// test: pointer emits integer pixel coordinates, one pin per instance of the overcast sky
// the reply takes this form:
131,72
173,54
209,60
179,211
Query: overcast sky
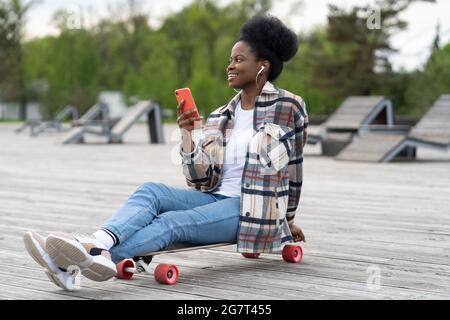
414,43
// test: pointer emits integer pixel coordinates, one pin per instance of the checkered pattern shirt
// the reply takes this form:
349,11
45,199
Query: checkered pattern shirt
273,172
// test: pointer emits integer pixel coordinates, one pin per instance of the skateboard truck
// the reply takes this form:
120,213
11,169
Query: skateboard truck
163,273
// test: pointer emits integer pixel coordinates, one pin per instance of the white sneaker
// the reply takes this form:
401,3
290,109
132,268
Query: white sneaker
67,250
35,245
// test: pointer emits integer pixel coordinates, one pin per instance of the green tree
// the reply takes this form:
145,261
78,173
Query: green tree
192,46
427,85
299,74
68,63
12,18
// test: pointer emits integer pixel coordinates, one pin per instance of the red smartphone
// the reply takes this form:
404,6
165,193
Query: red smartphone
189,103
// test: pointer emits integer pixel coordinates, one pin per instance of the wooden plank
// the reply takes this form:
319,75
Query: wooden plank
434,126
370,147
290,285
352,112
113,289
133,114
354,215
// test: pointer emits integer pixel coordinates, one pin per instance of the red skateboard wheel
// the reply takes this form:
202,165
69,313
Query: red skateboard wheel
166,274
251,255
121,266
292,253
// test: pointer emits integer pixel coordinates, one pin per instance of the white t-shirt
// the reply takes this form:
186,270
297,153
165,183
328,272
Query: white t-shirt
235,153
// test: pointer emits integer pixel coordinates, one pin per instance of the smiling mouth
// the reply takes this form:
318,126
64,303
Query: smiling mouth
231,76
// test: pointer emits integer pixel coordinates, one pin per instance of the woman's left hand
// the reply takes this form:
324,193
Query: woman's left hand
297,233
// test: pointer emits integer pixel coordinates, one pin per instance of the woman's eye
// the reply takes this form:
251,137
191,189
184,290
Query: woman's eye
237,60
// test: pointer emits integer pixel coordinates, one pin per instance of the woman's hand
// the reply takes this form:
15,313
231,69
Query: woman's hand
185,120
297,233
187,123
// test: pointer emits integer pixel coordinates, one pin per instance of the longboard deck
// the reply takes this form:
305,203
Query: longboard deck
169,273
180,247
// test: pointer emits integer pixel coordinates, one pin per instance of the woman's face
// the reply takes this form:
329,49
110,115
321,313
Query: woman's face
243,66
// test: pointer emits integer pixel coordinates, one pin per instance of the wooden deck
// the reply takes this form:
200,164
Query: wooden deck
357,217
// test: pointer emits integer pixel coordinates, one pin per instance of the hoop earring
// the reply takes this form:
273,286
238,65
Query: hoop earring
257,80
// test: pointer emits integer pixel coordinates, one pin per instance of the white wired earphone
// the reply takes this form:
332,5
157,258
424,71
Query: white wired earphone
260,70
257,75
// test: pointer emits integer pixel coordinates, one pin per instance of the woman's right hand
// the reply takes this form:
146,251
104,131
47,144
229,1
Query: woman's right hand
186,121
297,233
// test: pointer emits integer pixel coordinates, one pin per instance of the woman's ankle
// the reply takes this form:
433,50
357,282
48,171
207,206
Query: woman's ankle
95,251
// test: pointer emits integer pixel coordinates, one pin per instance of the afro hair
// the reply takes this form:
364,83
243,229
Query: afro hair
270,39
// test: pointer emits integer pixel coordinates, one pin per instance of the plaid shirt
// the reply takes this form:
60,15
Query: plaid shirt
273,174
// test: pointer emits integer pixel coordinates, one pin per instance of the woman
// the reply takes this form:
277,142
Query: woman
246,174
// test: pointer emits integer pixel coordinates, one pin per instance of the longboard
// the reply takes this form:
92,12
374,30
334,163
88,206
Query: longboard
180,247
169,273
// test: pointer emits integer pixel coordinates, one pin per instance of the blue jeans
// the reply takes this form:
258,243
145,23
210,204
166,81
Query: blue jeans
157,215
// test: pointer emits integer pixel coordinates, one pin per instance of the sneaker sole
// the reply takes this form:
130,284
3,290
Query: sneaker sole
65,253
55,280
34,252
